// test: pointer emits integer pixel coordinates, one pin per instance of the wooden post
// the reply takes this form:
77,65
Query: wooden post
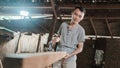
54,18
109,29
91,21
1,66
17,48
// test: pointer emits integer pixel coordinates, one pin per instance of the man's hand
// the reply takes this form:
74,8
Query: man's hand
66,57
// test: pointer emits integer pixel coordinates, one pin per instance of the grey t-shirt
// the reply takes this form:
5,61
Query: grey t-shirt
70,38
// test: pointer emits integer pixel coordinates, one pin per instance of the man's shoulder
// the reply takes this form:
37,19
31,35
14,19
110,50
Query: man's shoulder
64,23
81,28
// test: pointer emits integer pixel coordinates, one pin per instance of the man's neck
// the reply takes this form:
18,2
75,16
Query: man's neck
72,24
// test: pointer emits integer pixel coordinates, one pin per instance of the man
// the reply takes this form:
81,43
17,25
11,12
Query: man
72,37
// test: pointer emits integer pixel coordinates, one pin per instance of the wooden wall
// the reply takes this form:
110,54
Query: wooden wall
111,54
86,59
24,42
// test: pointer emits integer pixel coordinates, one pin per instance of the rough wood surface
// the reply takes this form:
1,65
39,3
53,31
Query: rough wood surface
1,64
37,60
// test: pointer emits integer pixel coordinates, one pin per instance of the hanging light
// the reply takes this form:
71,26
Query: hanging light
24,13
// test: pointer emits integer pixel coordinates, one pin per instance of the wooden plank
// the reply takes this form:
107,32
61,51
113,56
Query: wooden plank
42,61
91,21
33,60
109,29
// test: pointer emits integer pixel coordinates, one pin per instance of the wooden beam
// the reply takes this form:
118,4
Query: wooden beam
91,6
93,26
69,17
68,6
53,8
54,18
109,29
103,17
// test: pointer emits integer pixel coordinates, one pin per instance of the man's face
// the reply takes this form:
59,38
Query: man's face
77,16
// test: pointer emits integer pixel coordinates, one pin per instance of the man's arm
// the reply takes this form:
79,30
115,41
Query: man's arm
78,50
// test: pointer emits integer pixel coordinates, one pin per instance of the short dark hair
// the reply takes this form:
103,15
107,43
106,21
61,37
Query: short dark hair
82,9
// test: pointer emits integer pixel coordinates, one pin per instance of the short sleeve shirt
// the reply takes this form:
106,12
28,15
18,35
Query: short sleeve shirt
70,38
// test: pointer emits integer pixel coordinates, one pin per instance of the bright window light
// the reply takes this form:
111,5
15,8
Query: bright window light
24,13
